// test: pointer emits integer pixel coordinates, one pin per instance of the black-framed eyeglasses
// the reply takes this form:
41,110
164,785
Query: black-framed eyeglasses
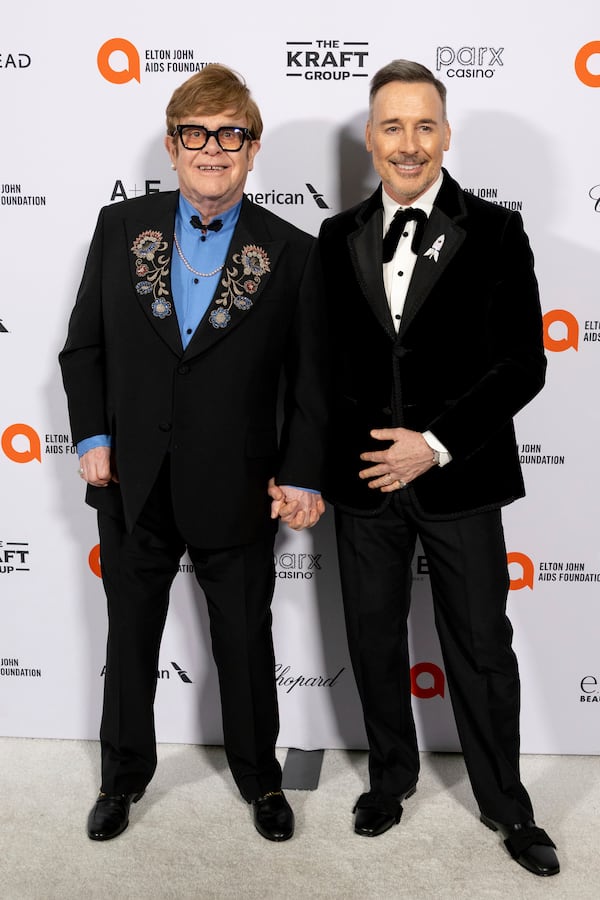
229,137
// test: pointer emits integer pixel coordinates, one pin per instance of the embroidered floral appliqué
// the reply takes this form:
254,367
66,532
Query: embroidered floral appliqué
243,278
152,268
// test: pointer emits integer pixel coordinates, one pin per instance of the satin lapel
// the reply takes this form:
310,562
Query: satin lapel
150,245
431,262
365,245
251,259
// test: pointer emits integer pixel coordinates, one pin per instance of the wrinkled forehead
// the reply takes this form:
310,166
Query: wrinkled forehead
213,120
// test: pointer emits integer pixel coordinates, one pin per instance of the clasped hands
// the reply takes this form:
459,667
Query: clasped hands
408,457
297,508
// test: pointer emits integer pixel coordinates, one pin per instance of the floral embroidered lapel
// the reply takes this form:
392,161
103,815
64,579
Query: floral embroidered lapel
250,261
149,247
239,283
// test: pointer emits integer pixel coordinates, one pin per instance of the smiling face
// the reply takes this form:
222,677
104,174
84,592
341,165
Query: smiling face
211,179
407,134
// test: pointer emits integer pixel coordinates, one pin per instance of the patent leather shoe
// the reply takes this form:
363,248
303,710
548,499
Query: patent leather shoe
529,845
273,816
377,812
109,816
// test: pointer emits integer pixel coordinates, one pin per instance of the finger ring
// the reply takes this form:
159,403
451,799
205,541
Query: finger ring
402,484
80,471
389,478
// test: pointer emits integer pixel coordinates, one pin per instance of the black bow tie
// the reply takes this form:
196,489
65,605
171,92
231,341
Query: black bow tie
214,226
390,241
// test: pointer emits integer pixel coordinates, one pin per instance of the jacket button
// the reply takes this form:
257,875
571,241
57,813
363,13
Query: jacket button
399,352
164,426
183,370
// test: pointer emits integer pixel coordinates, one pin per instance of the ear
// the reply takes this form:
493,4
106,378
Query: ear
253,149
172,149
447,137
368,141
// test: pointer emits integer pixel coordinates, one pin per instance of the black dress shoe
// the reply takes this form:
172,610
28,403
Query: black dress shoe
376,812
273,816
110,815
529,845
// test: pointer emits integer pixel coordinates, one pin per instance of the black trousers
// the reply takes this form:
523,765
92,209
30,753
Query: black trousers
138,570
469,583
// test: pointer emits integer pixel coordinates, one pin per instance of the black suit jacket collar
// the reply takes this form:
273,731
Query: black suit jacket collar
365,245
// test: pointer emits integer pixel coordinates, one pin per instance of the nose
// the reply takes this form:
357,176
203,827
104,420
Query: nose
408,141
212,145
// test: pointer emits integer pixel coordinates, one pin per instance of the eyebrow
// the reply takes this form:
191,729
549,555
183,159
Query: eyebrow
419,122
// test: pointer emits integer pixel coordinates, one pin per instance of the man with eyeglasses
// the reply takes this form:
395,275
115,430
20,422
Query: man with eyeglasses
192,305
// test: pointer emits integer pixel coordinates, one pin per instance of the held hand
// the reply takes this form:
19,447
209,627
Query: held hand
97,467
297,508
408,457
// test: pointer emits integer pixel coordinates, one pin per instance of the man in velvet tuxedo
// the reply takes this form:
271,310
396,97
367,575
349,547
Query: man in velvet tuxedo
192,305
436,343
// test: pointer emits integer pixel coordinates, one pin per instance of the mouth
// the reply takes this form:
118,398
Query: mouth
211,168
407,168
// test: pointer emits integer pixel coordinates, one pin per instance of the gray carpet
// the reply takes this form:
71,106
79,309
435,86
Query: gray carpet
192,837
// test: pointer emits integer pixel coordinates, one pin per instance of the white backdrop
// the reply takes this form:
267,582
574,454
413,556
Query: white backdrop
83,99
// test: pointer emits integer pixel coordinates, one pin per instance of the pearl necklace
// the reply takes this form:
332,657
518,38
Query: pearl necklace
187,265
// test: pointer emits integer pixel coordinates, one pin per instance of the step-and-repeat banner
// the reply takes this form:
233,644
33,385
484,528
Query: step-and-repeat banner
83,98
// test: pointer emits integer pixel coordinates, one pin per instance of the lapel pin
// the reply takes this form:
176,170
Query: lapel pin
434,251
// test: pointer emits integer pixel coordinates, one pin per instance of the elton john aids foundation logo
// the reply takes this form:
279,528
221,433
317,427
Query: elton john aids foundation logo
588,71
119,61
94,561
561,331
21,443
427,681
110,61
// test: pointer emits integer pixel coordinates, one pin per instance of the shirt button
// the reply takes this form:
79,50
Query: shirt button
400,273
188,331
195,281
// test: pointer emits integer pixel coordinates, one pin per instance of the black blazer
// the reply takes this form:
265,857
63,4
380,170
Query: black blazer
214,405
468,356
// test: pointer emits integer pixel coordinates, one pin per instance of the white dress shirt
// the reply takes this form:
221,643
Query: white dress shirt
398,272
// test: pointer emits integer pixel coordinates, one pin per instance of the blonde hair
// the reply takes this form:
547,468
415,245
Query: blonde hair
210,91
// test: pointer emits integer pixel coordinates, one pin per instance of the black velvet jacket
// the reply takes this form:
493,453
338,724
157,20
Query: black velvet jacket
469,354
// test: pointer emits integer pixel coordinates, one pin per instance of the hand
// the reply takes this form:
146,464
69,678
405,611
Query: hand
297,508
408,457
97,467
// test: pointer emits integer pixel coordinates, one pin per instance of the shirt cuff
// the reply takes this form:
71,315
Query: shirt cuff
433,442
97,440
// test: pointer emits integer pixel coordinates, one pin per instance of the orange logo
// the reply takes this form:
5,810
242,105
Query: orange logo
581,64
439,682
119,76
94,561
527,571
32,451
558,345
